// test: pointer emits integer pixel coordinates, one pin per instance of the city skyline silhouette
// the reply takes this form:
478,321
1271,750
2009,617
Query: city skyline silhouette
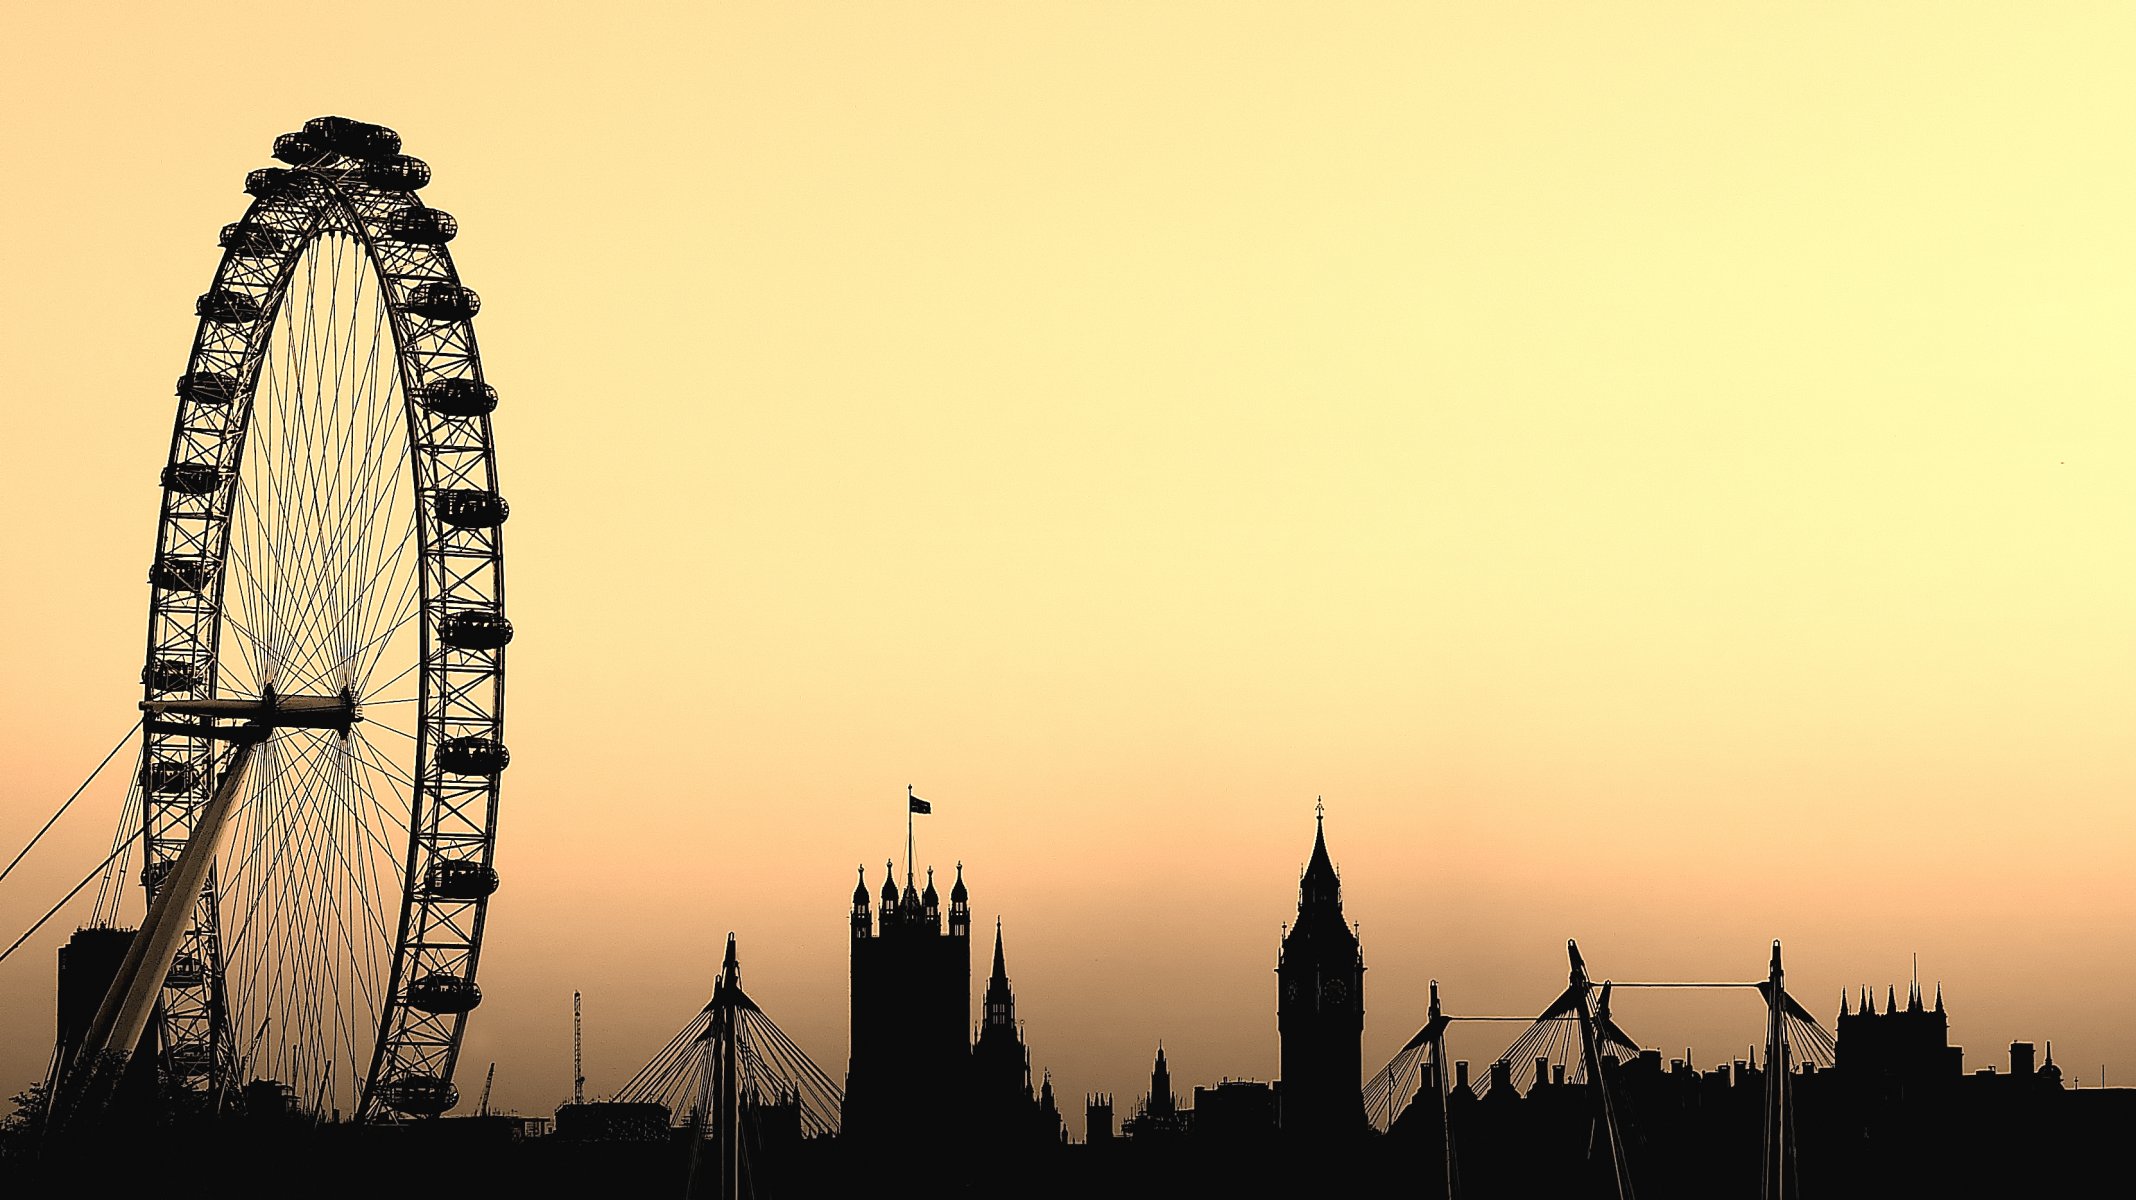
1664,506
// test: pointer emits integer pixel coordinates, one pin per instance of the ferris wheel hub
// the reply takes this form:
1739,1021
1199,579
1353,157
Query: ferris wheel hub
264,715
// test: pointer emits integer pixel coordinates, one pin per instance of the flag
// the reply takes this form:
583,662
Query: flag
919,805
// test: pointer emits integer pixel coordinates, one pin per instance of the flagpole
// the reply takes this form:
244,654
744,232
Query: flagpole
908,835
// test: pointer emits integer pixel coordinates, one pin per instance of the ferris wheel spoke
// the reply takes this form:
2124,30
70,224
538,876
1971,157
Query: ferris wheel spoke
376,641
403,796
379,763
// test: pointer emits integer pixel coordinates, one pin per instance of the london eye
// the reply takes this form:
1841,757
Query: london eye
324,680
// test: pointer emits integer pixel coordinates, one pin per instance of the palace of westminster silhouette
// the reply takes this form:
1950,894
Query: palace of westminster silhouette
1894,1107
935,1102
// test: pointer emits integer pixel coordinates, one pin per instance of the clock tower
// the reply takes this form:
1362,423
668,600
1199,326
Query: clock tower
1320,1008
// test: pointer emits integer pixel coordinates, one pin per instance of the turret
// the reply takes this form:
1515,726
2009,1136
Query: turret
908,905
931,903
1000,1001
889,913
1161,1103
960,907
860,905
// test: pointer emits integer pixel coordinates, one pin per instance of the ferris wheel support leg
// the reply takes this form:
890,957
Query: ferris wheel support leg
127,1005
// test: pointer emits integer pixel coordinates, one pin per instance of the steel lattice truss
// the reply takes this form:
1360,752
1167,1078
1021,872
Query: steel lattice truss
330,523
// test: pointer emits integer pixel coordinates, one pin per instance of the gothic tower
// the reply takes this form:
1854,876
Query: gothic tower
1001,1064
1320,1008
911,1014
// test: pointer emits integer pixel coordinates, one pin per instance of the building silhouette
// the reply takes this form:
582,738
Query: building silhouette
1898,1052
911,1012
1002,1111
1320,1008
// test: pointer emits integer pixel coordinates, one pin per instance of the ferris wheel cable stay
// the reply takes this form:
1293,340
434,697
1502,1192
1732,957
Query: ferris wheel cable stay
72,892
54,818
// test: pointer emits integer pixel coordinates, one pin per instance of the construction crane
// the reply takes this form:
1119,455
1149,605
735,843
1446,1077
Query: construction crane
578,1046
482,1109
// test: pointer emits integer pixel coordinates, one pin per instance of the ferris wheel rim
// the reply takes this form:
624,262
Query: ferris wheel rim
357,191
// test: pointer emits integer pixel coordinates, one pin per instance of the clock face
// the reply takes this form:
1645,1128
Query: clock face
1290,989
1336,990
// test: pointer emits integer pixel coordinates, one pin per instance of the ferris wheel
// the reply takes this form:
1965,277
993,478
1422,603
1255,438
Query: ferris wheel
324,682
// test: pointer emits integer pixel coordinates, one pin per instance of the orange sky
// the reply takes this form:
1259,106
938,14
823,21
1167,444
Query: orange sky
1660,471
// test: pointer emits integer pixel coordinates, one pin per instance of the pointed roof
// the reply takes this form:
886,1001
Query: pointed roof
1939,995
728,993
957,894
1891,997
889,885
1001,963
860,890
1321,867
1842,1002
930,896
1320,893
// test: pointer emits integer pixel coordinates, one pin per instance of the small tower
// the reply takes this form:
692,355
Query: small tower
1098,1118
860,907
1049,1112
960,907
1000,1010
1001,1063
1162,1104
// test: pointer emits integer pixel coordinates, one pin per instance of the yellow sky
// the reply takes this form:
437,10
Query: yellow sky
1661,471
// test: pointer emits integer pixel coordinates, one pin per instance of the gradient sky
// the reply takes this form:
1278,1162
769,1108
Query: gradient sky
1661,471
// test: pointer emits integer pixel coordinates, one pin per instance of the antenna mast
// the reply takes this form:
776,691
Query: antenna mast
578,1045
482,1109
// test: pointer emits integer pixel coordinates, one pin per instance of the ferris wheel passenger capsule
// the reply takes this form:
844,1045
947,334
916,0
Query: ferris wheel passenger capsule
186,971
301,150
419,1095
251,240
345,135
457,398
165,776
458,879
226,306
192,479
182,572
472,508
476,629
473,755
171,675
440,992
268,180
422,227
441,301
209,387
399,173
